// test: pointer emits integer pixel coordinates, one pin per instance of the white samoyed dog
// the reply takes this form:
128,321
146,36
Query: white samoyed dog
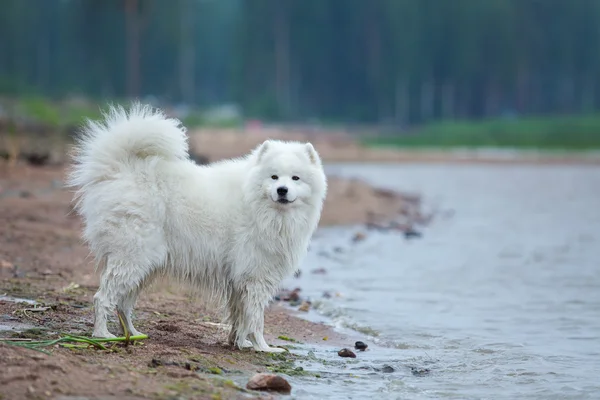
233,229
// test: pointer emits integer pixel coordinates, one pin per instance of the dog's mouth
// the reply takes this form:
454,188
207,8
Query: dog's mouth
282,200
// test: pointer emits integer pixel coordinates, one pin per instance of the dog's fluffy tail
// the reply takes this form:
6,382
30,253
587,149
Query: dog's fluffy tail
107,147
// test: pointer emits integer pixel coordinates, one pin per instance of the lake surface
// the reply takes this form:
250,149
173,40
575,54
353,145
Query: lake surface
499,299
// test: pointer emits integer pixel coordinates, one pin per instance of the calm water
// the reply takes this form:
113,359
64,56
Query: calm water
499,300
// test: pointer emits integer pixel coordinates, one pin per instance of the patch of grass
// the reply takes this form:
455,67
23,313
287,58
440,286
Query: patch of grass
32,333
73,342
41,110
549,133
287,339
285,363
215,370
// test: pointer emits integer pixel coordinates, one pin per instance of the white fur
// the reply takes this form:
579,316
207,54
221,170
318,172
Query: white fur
149,210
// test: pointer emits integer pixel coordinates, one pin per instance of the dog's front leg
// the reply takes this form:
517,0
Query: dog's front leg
250,323
235,316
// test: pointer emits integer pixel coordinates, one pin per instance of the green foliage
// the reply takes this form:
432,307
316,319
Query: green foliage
41,111
558,133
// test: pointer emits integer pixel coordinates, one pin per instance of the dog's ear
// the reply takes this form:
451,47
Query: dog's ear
262,150
312,154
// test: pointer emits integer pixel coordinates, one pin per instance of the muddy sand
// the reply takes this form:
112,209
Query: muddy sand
42,259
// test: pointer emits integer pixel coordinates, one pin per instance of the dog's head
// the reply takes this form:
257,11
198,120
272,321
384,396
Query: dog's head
288,174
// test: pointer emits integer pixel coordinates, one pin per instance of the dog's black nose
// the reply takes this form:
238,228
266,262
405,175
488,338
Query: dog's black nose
282,190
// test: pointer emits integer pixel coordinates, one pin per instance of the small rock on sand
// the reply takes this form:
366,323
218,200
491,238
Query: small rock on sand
269,382
346,353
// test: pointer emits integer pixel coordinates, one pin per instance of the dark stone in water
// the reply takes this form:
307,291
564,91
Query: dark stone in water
387,369
360,346
412,234
358,237
346,353
420,371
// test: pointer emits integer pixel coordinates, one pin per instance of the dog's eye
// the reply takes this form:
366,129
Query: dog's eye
295,178
274,177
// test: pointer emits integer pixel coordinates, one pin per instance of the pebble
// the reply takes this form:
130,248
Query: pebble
295,295
305,306
419,371
387,369
346,353
358,237
360,346
411,234
269,382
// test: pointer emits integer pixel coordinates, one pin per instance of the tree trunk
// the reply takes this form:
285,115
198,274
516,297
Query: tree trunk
448,100
132,27
402,102
588,93
187,84
427,98
492,99
566,95
373,45
522,88
282,57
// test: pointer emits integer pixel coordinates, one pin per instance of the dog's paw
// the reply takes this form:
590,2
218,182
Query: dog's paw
247,344
103,335
271,349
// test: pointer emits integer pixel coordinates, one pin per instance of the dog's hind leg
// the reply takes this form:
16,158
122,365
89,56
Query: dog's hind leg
126,304
125,309
119,288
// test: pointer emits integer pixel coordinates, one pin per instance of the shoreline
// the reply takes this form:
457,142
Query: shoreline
333,147
339,147
43,260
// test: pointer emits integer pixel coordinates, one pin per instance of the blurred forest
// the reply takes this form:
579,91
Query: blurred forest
375,61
